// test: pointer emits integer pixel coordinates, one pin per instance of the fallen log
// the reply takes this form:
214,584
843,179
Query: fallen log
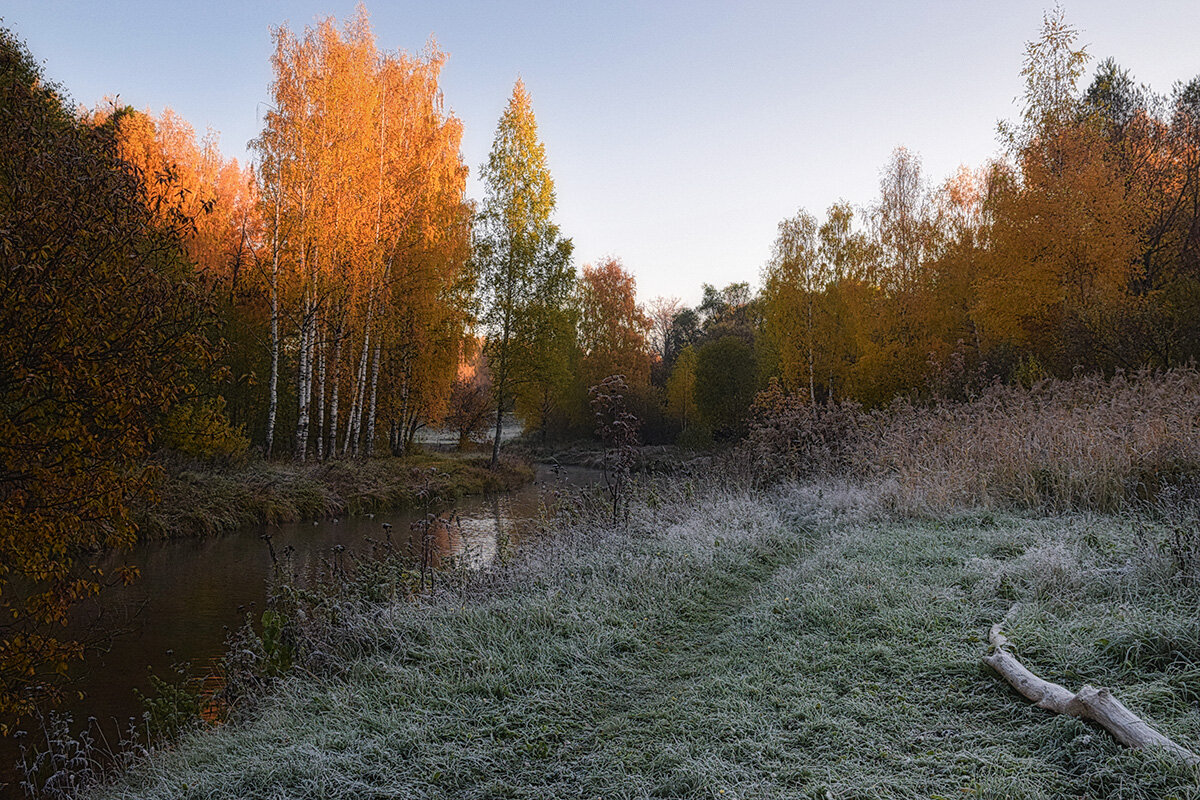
1090,703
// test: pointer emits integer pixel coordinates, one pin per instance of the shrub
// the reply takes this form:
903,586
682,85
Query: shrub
618,428
695,437
103,328
200,429
726,377
792,436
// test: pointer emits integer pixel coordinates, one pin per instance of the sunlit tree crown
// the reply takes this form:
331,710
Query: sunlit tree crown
520,190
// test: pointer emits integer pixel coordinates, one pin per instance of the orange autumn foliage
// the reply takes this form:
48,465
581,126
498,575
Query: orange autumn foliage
190,179
613,329
363,193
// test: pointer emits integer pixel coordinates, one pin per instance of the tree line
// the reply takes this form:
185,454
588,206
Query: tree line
1077,248
342,292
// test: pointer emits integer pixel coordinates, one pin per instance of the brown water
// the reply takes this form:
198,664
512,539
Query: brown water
193,592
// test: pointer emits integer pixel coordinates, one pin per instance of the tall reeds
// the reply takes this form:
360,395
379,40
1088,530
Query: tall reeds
1088,443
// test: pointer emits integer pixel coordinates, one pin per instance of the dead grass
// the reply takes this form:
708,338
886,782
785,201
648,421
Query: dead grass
1084,444
1088,443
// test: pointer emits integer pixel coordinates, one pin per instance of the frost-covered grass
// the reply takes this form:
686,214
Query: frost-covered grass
800,643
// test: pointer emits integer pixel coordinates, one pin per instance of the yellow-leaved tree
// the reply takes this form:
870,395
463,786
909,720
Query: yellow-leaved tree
1064,239
527,278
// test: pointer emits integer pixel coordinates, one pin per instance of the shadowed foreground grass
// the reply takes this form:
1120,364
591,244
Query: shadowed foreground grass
801,644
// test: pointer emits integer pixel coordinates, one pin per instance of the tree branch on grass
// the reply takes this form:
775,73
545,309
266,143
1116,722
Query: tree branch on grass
1090,703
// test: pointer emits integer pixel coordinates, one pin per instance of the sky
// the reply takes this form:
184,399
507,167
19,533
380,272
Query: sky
678,134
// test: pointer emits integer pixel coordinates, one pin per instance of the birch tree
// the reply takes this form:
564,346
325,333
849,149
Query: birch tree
791,287
370,245
525,264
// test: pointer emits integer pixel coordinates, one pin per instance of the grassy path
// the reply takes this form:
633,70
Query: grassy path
792,646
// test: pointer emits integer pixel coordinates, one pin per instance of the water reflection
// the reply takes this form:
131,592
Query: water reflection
193,593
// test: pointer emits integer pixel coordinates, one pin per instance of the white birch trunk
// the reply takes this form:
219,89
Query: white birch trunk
319,439
812,384
405,389
370,446
354,399
273,391
303,382
331,444
353,434
304,366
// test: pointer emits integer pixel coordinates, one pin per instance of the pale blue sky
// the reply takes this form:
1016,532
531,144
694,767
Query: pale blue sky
678,133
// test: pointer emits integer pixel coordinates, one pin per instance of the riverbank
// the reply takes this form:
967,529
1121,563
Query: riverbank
803,642
199,500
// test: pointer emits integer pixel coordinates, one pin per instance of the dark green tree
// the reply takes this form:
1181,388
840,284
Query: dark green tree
725,384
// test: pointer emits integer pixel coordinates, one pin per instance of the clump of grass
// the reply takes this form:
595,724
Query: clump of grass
801,642
59,764
1168,531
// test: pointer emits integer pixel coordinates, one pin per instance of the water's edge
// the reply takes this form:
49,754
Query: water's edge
193,592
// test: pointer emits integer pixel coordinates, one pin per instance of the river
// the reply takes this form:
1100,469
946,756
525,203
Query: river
193,592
